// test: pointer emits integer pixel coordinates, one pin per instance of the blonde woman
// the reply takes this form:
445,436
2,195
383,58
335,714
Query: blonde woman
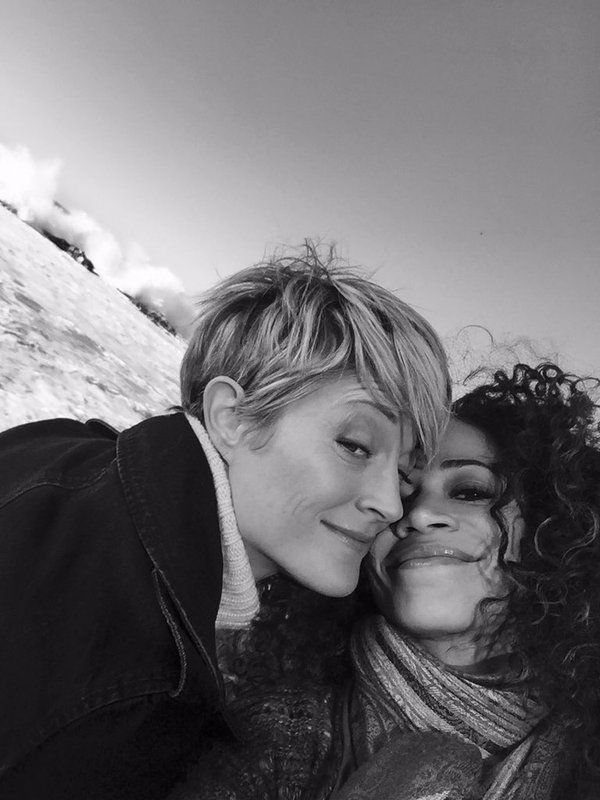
305,389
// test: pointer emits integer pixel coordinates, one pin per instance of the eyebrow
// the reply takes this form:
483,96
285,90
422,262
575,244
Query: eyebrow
385,410
466,462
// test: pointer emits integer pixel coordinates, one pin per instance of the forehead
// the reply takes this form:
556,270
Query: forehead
330,393
348,391
462,441
341,398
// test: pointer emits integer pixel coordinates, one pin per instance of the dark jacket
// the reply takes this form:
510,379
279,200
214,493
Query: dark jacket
110,581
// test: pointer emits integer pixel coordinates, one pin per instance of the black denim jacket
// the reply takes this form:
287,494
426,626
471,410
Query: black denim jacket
110,581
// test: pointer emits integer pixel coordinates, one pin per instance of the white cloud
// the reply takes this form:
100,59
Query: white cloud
30,186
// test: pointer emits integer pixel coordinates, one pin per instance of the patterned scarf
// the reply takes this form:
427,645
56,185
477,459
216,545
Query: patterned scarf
401,688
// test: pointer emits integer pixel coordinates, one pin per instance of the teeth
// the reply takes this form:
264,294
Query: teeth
438,552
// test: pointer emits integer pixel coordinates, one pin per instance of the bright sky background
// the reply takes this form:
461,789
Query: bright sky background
451,145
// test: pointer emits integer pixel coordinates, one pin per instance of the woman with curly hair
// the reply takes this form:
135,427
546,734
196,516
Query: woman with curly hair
477,675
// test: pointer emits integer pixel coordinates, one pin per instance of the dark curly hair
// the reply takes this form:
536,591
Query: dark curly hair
544,425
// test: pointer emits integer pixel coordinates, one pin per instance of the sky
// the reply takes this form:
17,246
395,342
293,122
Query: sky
451,147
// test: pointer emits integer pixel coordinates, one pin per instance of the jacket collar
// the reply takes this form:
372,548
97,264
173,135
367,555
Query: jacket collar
169,490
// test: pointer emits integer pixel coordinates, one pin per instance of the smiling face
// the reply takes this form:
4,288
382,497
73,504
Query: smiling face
431,579
312,493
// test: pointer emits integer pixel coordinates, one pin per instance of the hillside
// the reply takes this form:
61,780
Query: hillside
70,344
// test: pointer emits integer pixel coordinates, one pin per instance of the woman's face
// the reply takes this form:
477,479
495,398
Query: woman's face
430,580
311,499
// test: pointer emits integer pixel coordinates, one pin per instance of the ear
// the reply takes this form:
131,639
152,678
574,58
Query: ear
221,398
515,526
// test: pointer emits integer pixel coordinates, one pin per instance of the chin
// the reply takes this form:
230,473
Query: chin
333,583
334,588
421,621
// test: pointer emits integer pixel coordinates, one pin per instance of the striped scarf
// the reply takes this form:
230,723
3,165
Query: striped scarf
401,688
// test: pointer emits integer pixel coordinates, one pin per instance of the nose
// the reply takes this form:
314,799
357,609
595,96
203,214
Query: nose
381,497
425,513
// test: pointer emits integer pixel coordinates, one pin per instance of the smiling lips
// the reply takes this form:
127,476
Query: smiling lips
357,540
430,555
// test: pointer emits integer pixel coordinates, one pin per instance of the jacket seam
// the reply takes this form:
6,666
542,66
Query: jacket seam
22,490
132,501
175,632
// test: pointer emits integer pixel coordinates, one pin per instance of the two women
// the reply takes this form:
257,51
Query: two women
477,673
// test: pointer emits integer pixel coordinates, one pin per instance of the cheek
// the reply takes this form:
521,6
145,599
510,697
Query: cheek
380,582
311,486
492,577
380,549
297,491
295,488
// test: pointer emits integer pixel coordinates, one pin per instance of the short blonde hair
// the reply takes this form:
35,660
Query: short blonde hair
283,327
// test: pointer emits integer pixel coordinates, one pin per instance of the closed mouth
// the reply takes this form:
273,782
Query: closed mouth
362,539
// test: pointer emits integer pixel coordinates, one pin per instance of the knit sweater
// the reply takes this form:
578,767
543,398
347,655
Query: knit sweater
239,598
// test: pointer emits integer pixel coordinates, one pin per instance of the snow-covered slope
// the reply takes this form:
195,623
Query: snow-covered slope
70,344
